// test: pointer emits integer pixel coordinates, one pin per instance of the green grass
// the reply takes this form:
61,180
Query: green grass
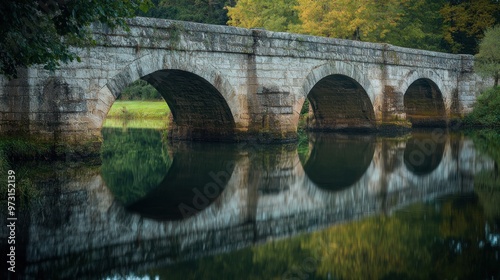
139,110
136,123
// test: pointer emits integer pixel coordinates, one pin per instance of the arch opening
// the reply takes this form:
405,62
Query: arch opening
340,103
199,110
424,105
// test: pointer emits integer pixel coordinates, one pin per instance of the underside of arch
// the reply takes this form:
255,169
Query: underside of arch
340,103
199,110
424,105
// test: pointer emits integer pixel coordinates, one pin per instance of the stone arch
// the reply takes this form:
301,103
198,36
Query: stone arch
435,87
423,99
415,75
338,68
341,98
162,71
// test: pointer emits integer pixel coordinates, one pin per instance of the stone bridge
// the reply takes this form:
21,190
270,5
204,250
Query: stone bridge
227,83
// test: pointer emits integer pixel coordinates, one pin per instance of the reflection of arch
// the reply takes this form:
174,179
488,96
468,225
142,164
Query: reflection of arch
340,102
338,161
423,153
202,101
196,178
133,161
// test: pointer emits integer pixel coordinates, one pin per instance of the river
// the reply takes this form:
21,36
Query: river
420,205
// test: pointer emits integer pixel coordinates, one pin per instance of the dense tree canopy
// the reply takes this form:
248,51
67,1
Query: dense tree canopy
465,22
441,25
420,26
40,32
278,15
488,58
204,11
368,20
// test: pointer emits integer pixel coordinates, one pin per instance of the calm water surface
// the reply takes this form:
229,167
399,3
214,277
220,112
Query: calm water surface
423,205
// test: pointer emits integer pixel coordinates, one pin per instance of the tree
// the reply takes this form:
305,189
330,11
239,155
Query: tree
488,58
140,90
41,32
368,20
276,15
204,11
465,22
420,26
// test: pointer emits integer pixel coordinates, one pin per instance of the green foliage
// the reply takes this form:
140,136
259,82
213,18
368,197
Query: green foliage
370,20
140,90
486,112
420,26
134,162
465,22
442,25
204,11
305,107
488,58
41,32
272,15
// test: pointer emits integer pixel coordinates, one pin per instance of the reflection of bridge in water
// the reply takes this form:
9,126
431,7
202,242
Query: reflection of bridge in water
267,195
